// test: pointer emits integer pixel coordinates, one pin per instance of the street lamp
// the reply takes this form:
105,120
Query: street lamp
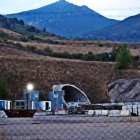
29,88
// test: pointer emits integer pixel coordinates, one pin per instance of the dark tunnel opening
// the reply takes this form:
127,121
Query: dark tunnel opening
73,95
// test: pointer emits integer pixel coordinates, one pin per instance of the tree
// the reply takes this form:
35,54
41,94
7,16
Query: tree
124,58
114,52
3,89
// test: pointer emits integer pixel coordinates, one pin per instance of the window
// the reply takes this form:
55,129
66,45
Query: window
22,103
17,103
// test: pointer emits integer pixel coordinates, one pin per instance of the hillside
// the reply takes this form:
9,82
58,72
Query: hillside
127,30
19,68
20,65
65,19
20,27
61,45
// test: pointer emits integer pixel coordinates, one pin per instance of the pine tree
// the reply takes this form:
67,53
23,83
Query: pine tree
3,89
124,57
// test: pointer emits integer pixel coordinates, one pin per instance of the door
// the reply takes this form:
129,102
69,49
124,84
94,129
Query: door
47,106
10,105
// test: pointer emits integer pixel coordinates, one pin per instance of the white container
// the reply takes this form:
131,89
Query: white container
124,107
134,106
98,112
105,112
62,112
114,113
129,107
44,105
90,112
125,113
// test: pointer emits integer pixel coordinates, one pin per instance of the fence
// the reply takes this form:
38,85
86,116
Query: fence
70,127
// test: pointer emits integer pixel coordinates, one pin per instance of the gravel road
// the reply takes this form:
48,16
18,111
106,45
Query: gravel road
70,127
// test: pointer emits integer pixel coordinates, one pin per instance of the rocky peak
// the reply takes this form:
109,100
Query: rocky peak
62,1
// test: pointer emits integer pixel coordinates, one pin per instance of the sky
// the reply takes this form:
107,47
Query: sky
115,9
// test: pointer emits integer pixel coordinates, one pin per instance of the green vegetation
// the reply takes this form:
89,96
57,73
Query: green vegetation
3,89
47,49
49,41
124,58
119,53
32,48
32,29
3,35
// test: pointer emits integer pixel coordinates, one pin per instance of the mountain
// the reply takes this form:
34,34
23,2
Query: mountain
65,19
127,30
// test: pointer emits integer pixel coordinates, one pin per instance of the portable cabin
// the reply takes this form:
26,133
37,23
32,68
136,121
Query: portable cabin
5,104
22,104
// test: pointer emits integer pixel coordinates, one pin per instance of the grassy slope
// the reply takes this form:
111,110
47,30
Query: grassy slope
74,46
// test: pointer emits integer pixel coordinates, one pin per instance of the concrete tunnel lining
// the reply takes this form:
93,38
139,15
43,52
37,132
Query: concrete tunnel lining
72,94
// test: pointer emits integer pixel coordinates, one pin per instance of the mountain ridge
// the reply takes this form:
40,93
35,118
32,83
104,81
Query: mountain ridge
127,30
65,19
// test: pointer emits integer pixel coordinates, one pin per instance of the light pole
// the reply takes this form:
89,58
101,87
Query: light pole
29,88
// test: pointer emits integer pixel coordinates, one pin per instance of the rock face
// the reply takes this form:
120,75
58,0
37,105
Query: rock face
124,90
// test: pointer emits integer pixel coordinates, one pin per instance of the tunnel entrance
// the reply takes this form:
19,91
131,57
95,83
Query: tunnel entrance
73,95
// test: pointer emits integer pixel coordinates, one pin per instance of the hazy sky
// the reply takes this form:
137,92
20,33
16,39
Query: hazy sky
116,9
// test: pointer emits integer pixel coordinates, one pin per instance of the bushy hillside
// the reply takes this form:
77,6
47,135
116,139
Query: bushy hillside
44,72
20,67
19,26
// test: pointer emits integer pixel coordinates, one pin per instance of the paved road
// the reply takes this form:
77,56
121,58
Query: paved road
72,127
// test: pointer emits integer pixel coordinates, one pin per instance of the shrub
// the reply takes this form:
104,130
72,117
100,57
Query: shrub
5,41
24,39
3,35
101,45
135,64
31,37
32,48
19,45
47,49
3,89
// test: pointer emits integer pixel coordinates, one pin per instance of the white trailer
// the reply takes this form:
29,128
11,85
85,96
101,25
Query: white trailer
44,105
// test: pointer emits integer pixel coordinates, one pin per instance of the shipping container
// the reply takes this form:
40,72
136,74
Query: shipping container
56,98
